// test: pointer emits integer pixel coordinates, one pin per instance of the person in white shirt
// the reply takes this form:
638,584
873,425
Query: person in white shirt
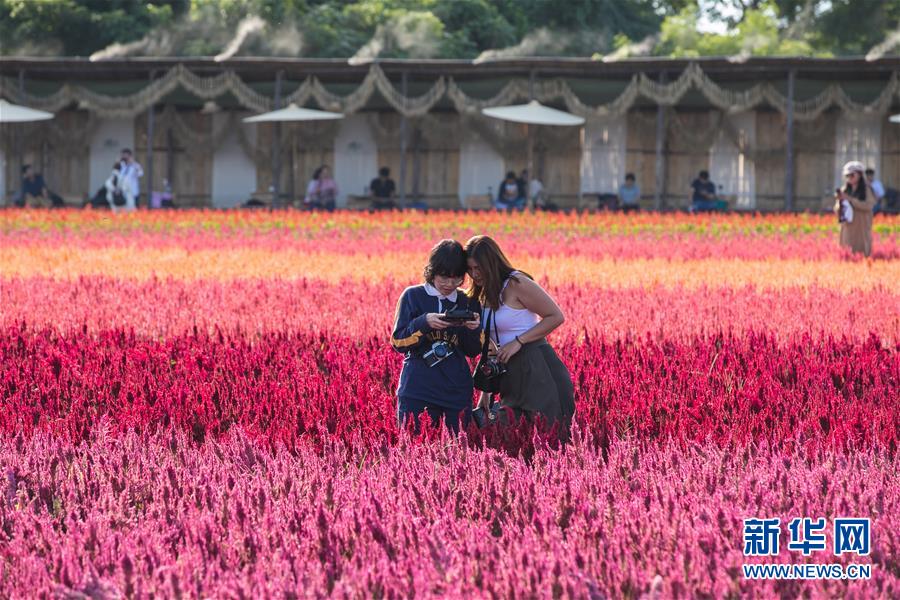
535,190
119,193
877,187
132,171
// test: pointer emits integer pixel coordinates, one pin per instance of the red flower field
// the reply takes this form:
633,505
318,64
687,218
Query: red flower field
201,404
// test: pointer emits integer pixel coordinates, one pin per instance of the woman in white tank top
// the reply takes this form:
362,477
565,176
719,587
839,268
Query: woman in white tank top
521,315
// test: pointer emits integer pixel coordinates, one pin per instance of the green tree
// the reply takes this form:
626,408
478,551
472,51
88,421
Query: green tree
757,33
80,27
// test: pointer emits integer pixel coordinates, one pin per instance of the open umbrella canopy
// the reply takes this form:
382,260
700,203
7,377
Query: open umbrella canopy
294,113
13,113
533,113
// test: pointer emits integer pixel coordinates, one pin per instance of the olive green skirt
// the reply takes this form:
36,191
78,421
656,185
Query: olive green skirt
537,381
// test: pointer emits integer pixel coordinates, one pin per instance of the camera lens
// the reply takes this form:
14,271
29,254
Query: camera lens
440,350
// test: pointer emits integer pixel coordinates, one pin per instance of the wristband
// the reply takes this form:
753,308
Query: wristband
521,343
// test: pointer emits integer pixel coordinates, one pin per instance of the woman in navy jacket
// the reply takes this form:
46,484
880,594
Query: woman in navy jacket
436,377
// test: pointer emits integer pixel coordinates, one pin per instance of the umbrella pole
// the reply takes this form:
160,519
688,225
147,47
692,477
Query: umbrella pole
529,163
150,133
276,147
403,127
20,140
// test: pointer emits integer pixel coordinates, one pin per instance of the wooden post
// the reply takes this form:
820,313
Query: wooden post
416,146
403,126
170,156
150,125
20,141
659,195
789,145
276,147
529,135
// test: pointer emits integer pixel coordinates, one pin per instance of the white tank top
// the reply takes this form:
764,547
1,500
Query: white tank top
510,321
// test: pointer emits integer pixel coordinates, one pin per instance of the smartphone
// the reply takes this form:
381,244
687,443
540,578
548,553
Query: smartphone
458,315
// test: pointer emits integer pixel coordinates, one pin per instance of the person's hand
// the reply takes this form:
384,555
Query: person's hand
435,321
508,350
474,323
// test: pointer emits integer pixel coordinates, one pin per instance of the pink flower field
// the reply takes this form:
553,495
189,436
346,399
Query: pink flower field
200,404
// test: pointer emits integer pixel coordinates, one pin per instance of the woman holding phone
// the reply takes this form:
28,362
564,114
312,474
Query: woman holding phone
520,315
856,231
436,327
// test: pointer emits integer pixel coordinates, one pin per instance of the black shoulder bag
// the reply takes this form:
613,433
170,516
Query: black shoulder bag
488,371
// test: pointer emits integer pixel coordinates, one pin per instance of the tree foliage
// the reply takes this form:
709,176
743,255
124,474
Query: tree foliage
450,28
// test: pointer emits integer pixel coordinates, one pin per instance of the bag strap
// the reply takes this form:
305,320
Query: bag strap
487,337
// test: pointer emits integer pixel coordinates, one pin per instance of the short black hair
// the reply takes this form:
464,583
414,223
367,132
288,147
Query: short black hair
126,151
510,175
448,259
704,174
25,168
870,171
384,171
629,176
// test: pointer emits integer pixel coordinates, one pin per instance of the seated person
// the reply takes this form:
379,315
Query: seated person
703,193
382,189
322,190
511,193
877,188
34,191
629,194
536,194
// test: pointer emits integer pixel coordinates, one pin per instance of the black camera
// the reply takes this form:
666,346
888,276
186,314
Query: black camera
439,351
458,316
484,417
493,368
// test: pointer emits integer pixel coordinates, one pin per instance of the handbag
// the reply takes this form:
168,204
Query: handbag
488,371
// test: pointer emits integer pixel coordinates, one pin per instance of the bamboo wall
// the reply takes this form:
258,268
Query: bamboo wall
188,169
770,160
432,160
640,154
890,154
432,168
65,166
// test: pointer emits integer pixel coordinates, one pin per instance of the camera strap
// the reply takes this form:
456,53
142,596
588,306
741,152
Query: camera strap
487,331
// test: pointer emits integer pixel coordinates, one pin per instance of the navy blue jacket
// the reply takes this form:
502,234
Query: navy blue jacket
448,383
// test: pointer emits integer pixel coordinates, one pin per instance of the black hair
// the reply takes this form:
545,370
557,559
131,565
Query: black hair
117,166
126,151
704,174
384,171
318,173
629,176
447,259
870,171
25,168
860,192
510,175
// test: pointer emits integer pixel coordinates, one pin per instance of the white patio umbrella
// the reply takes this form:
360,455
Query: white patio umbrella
13,113
294,113
533,113
291,113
